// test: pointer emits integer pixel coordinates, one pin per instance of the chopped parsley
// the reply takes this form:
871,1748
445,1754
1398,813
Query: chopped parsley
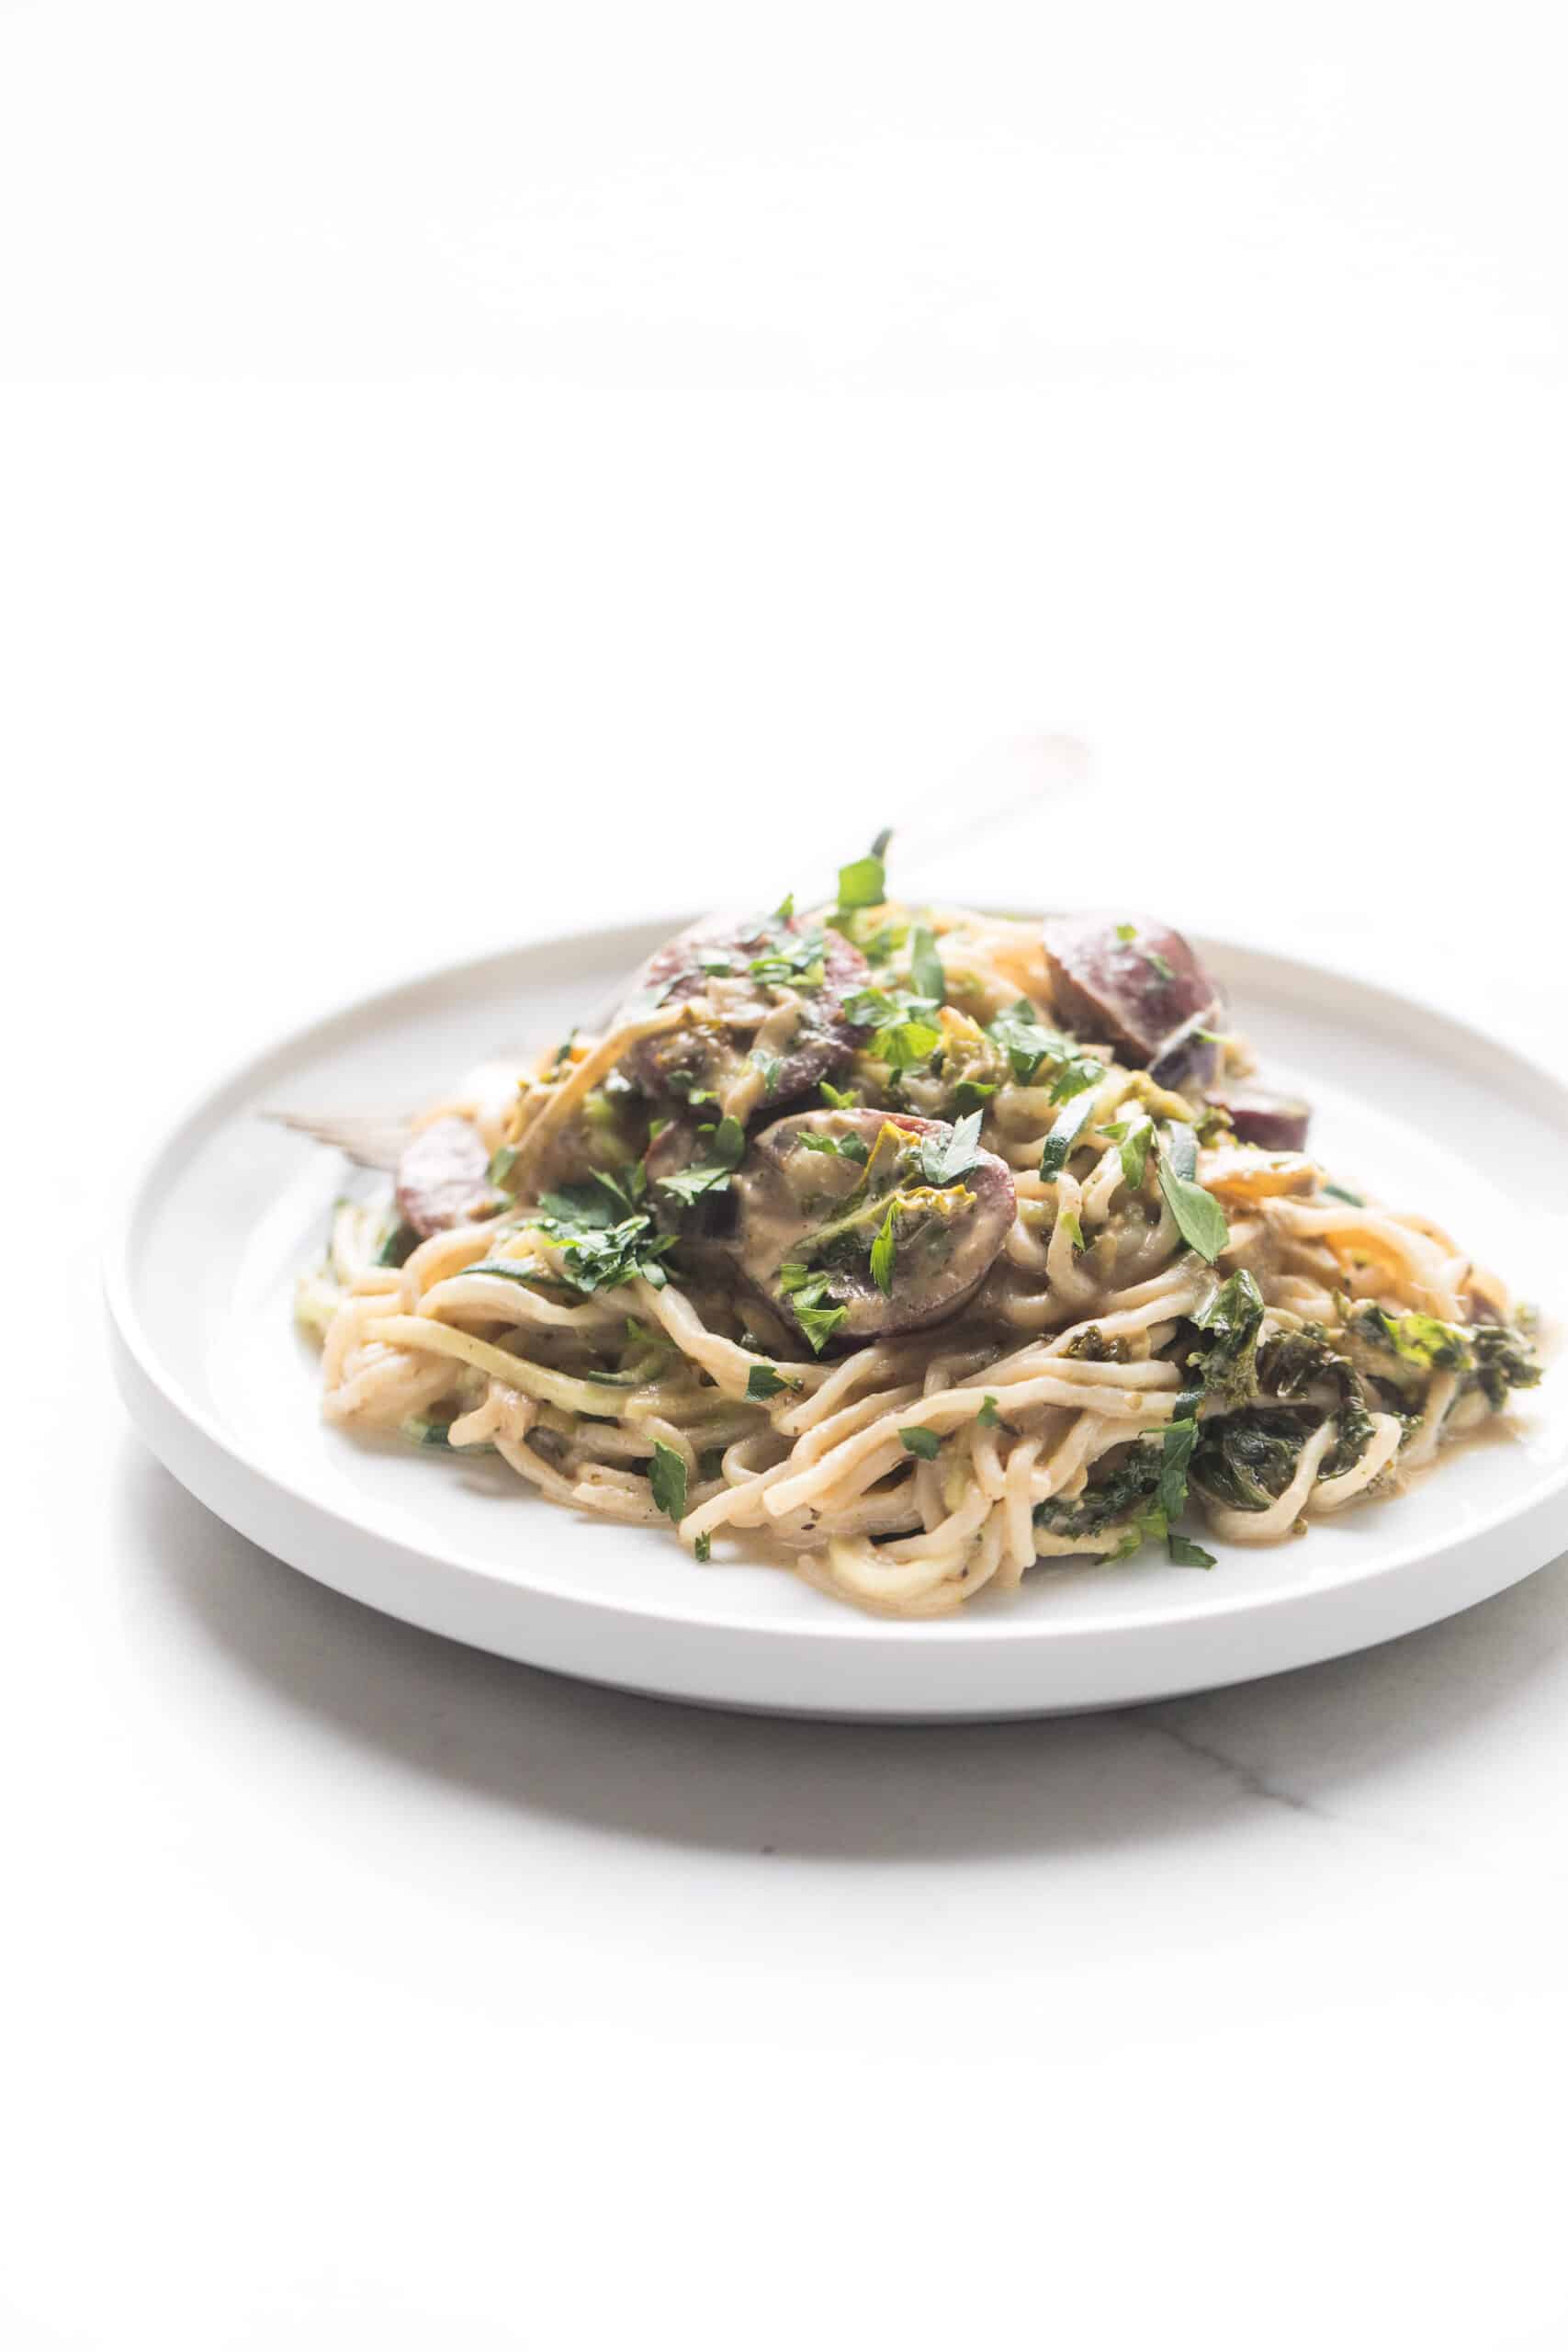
797,960
1185,1553
1077,1076
924,1442
701,1550
987,1415
806,1293
835,1098
1019,1034
944,1160
1200,1219
925,964
667,1476
769,1067
833,1146
864,883
1134,1152
712,1174
763,1382
600,1251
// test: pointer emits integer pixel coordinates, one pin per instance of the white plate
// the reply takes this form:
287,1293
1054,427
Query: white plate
200,1277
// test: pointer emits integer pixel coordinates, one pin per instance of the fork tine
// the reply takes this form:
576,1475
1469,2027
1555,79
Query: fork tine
370,1140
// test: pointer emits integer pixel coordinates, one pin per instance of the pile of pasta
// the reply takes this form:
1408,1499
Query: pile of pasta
1110,1374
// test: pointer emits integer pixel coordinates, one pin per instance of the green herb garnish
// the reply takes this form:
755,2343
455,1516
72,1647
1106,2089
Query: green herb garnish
763,1382
1076,1078
944,1160
1026,1044
1134,1152
1200,1219
712,1174
864,883
925,964
667,1476
987,1415
925,1443
1185,1553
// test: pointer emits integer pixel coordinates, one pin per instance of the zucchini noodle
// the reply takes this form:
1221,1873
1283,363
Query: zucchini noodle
1050,1297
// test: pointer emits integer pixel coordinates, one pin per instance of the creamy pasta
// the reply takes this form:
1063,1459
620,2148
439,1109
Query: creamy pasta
920,1244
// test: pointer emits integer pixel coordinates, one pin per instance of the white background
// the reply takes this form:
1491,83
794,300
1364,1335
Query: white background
468,470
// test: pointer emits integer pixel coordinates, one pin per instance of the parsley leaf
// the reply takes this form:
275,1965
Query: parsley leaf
864,883
769,1065
883,1250
667,1476
835,1099
1185,1553
701,1550
987,1415
1026,1044
944,1160
796,961
712,1174
1072,1229
1134,1150
806,1291
763,1382
925,1443
903,1044
819,1323
1200,1219
925,964
835,1146
597,1254
1076,1078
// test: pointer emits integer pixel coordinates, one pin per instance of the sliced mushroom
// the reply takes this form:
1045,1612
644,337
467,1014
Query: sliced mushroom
764,984
1278,1122
1137,986
444,1177
821,1191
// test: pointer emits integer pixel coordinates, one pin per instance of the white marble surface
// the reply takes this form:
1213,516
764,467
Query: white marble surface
470,473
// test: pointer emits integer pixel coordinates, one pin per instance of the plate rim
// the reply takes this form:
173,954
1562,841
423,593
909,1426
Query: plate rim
152,1390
